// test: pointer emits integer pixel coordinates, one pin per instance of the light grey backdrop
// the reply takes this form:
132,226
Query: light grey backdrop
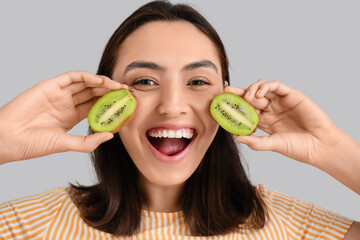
310,45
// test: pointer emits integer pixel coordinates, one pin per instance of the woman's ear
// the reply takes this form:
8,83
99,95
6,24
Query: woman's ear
226,83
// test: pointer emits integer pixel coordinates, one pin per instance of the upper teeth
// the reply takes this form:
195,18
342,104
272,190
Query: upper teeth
167,133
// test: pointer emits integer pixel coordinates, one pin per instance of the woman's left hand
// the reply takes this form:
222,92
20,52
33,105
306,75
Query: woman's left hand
297,127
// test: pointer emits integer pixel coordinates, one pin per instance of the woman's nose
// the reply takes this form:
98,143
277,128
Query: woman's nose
173,102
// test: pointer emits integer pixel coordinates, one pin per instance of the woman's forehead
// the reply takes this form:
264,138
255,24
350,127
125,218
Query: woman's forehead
168,43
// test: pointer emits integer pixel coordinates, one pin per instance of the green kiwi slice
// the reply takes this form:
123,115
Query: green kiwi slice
112,111
234,114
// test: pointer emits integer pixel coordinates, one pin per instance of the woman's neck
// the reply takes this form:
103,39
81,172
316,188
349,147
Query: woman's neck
161,198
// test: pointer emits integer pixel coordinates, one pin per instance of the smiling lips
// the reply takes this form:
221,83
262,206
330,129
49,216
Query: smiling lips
170,145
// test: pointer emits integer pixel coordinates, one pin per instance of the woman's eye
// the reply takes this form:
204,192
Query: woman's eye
198,82
146,82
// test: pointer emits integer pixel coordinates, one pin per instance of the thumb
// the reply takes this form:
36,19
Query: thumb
258,143
86,143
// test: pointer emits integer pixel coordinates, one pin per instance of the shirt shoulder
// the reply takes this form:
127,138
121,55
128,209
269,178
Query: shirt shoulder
302,219
28,217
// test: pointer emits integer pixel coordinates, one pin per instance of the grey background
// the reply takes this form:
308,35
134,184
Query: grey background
310,45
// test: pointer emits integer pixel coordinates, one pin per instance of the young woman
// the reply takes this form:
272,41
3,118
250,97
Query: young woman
152,184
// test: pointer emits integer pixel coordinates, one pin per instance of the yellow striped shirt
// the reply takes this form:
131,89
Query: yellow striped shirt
53,215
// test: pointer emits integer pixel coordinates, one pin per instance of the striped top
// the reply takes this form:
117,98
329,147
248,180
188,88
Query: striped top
53,215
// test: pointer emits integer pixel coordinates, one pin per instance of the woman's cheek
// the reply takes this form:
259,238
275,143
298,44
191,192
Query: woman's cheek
204,98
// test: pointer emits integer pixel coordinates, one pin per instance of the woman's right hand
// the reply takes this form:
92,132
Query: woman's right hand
36,122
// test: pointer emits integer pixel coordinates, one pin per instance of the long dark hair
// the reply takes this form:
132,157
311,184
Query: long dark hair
217,198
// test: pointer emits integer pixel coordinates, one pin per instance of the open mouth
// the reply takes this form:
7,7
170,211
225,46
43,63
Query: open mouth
170,142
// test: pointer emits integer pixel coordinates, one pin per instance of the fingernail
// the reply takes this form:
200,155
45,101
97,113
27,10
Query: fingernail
247,94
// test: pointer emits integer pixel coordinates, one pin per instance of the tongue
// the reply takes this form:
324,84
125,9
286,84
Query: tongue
169,146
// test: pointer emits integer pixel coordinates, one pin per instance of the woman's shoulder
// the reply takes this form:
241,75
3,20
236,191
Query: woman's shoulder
47,198
302,218
28,217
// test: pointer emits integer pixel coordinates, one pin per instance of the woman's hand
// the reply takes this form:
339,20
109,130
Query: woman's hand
36,122
299,129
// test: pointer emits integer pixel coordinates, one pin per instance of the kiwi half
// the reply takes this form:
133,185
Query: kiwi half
112,111
234,114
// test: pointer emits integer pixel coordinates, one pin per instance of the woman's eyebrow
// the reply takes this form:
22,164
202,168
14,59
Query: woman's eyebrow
199,64
143,64
154,66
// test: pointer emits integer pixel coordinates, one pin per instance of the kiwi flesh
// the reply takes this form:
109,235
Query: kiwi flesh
234,114
112,111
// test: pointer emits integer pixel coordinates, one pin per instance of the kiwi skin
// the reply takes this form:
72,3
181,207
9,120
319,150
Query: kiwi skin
95,110
234,114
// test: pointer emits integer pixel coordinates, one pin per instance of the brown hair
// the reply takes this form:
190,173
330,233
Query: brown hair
217,198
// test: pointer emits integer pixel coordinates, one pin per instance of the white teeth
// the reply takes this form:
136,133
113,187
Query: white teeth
164,134
171,134
179,134
168,133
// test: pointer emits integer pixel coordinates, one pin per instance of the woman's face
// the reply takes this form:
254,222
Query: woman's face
174,71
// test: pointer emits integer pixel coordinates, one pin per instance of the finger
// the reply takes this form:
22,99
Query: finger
106,82
112,84
257,143
271,95
89,79
88,94
252,89
70,77
85,143
275,87
75,87
259,103
80,86
236,90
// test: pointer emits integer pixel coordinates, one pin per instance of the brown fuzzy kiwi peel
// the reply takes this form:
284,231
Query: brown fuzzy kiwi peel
234,114
112,111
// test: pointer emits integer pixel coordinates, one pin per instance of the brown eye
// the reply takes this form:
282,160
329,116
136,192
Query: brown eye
198,82
144,82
